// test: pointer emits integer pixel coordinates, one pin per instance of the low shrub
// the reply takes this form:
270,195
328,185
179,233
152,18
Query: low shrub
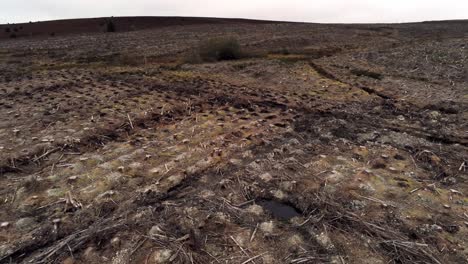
217,49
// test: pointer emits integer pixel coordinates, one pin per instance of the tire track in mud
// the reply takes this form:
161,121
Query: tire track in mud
432,137
326,74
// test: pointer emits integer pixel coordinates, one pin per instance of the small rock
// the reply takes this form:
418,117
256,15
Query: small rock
436,228
107,194
295,242
288,185
434,115
242,237
324,240
255,166
357,205
255,209
135,165
25,223
294,141
4,224
121,168
378,164
450,181
115,242
155,231
5,250
266,177
298,152
401,118
162,256
90,254
69,260
335,177
175,179
267,227
277,151
367,188
235,162
278,194
446,206
206,194
72,178
247,154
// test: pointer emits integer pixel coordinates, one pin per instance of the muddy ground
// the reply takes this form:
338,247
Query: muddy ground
333,144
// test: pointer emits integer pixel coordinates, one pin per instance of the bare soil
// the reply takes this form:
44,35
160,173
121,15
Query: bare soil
334,144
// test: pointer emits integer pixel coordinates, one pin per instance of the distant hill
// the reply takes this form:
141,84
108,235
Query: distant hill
104,24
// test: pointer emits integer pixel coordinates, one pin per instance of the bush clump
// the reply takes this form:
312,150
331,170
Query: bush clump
217,49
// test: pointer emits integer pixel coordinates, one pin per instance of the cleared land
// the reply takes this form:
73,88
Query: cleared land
333,144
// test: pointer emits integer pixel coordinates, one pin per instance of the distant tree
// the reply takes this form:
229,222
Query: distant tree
7,30
13,35
110,26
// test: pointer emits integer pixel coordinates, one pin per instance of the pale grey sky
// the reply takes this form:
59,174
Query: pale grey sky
335,11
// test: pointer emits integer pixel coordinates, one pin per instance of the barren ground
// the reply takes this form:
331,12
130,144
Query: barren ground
335,144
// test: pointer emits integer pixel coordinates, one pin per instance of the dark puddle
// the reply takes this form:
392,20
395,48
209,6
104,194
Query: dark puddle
279,210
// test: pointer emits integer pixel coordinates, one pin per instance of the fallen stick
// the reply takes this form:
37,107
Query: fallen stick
45,154
242,249
462,166
130,120
253,258
253,233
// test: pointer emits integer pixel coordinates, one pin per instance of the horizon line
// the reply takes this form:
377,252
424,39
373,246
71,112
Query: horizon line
244,18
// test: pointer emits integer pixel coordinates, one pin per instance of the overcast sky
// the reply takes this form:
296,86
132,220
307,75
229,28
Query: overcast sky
336,11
